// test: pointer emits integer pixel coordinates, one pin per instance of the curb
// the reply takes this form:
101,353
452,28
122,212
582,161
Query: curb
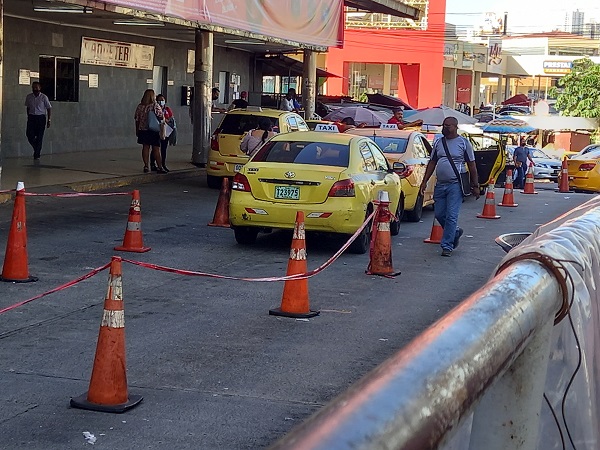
107,183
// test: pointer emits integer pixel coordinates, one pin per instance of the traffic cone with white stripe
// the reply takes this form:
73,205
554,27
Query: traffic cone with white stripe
294,302
529,188
108,385
16,268
381,240
508,199
563,179
489,208
436,233
221,216
133,240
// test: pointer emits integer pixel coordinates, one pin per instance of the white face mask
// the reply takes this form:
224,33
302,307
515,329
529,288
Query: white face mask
161,103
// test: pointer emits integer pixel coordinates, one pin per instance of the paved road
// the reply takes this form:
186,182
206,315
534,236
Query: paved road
216,371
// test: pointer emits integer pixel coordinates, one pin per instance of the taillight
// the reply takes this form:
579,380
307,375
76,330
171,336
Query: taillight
587,166
241,183
214,140
406,172
344,188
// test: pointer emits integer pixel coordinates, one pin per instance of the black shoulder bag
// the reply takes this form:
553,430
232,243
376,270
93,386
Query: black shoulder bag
464,177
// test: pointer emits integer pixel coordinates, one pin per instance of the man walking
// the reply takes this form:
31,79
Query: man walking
448,194
521,156
38,106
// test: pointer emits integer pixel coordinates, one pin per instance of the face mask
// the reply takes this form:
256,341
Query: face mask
161,103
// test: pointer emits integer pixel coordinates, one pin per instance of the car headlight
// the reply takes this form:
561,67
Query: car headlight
542,165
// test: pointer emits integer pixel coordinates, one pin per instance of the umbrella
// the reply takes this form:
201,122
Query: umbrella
507,125
360,114
517,100
388,100
436,115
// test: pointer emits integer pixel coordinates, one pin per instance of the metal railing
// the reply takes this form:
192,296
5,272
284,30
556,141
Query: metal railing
487,356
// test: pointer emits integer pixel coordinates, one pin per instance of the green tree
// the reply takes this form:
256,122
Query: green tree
580,90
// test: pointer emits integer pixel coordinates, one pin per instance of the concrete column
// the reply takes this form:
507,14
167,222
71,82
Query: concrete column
476,91
499,92
309,89
387,78
202,97
1,82
507,88
452,99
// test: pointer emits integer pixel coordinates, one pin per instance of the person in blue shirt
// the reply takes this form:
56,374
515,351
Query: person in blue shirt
521,156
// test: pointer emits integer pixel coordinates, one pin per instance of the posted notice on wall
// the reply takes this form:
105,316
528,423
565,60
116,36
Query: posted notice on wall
24,76
93,80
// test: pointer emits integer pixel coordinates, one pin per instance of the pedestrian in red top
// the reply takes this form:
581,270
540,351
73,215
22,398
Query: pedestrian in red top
164,143
147,137
398,119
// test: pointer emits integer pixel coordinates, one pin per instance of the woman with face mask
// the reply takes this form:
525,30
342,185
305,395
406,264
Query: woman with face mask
164,143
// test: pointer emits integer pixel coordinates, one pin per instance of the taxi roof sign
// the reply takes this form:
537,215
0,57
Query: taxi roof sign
388,126
327,127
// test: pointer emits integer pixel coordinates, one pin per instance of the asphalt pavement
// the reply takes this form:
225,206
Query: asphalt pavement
216,371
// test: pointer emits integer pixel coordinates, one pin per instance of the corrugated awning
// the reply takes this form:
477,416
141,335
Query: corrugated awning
393,7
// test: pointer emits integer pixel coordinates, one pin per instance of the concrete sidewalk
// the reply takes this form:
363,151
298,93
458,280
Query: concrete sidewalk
92,170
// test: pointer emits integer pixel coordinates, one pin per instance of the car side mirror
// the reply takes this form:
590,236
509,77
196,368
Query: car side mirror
399,168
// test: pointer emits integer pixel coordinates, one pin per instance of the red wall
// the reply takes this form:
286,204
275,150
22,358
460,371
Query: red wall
419,53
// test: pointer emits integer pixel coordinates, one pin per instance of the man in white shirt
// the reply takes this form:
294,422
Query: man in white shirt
38,106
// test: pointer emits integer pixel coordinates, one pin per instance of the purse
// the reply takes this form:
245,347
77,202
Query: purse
153,123
463,177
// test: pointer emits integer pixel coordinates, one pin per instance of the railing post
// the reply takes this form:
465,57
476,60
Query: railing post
508,415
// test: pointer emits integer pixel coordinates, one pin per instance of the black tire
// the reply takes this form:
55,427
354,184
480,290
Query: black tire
395,225
245,235
361,244
417,212
214,182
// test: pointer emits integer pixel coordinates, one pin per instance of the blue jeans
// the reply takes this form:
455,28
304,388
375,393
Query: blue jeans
448,199
519,177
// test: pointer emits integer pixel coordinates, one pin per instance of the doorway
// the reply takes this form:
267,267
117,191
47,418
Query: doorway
159,80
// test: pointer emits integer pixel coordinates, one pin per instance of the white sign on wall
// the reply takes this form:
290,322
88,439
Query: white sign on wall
100,52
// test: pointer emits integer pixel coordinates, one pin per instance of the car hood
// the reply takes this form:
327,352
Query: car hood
548,161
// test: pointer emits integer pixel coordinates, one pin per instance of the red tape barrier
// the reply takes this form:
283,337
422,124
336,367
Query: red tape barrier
300,276
7,191
75,194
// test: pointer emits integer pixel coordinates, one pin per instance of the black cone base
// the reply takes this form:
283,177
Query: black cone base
82,403
26,280
279,312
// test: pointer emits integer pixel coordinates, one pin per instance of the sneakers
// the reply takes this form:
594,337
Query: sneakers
446,252
459,233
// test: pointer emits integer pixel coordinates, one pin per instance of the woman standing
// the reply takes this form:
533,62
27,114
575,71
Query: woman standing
145,136
257,137
164,143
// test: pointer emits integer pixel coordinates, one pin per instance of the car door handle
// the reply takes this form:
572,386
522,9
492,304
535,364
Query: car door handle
373,182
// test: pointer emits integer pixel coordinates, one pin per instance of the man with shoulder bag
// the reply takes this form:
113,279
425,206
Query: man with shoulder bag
448,158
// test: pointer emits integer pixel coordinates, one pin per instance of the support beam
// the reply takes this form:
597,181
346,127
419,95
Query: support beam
309,90
1,80
202,97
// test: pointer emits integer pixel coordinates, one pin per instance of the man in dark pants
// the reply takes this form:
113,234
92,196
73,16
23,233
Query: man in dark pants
38,106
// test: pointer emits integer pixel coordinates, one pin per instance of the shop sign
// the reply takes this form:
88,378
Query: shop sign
463,88
558,66
450,52
99,52
495,52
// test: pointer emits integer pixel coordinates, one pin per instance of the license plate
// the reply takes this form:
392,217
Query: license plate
287,192
237,167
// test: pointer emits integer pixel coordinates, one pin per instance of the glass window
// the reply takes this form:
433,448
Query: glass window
391,145
365,152
59,77
239,124
419,149
314,153
379,158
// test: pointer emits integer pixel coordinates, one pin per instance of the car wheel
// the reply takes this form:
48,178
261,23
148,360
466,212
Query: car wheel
214,182
245,235
417,212
362,243
395,225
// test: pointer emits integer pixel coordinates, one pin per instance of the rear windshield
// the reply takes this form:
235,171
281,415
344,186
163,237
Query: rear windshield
238,124
314,153
391,145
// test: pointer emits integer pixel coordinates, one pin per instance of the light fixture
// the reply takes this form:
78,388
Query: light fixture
138,23
75,9
233,41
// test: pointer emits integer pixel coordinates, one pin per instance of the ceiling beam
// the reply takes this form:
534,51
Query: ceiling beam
393,7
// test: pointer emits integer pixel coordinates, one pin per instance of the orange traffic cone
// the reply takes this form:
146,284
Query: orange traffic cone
436,233
489,207
508,197
294,302
529,188
381,240
133,240
563,179
15,267
221,217
108,385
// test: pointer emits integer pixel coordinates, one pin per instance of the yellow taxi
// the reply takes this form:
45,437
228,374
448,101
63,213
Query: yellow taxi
225,157
490,157
584,172
411,148
334,178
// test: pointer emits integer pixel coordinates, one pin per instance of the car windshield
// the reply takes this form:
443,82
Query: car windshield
391,145
539,154
239,124
314,153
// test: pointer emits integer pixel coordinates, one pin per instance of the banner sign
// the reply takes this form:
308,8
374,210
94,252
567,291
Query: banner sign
463,88
558,66
99,52
316,22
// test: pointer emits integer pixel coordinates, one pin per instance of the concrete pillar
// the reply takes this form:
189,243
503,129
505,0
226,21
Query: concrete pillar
507,88
499,93
202,97
387,79
309,89
476,91
452,99
1,80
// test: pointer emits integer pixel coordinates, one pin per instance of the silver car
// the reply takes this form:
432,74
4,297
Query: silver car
545,167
